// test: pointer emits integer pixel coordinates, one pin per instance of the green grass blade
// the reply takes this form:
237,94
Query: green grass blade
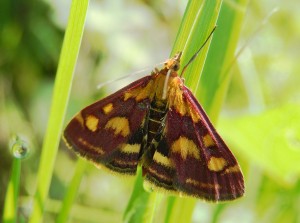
180,210
71,192
60,98
203,24
229,24
216,76
12,193
170,204
186,25
19,147
152,208
184,39
138,201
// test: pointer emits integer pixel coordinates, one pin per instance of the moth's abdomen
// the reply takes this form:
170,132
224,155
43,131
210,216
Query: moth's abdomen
153,131
157,113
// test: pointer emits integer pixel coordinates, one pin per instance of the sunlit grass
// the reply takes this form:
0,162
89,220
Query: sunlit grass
62,87
10,212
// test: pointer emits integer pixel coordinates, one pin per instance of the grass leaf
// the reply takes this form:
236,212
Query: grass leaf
213,69
216,73
12,193
202,24
71,191
60,98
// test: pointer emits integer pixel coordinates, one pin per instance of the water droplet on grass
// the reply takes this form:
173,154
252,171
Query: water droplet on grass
19,148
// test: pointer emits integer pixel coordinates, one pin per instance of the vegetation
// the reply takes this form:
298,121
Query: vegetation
246,79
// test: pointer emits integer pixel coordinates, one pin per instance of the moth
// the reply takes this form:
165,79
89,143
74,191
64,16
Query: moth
156,122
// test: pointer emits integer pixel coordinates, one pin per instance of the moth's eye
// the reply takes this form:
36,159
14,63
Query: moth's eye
176,67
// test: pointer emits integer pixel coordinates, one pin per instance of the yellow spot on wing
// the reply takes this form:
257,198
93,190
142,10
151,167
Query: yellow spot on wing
90,146
127,95
91,122
186,148
127,148
208,141
79,118
216,163
140,93
161,176
126,162
192,112
233,169
200,184
120,125
108,108
161,159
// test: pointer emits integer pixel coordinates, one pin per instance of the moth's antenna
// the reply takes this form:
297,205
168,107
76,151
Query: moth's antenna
126,76
197,52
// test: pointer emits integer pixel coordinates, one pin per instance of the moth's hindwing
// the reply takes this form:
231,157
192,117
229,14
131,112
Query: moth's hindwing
110,131
191,159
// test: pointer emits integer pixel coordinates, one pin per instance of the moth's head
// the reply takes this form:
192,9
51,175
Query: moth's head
174,62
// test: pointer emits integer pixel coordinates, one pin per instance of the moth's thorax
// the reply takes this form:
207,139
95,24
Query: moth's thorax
160,85
165,78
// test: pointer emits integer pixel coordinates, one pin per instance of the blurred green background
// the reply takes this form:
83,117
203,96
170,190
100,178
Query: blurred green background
259,119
